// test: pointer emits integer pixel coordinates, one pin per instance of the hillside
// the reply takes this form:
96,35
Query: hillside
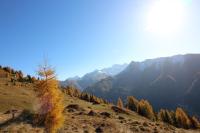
166,82
80,116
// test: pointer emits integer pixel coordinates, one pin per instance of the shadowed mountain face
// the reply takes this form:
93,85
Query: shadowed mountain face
166,82
93,77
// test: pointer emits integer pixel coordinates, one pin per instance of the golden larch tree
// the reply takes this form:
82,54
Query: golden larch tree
195,122
51,99
120,103
132,103
182,118
145,109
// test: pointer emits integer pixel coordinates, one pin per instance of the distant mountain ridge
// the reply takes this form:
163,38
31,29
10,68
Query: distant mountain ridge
93,77
166,82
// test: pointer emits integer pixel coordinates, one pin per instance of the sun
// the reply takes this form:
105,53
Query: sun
165,16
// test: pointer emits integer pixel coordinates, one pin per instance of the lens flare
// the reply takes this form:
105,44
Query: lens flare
166,16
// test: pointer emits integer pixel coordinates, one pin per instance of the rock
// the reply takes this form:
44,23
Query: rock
134,129
81,113
142,128
121,118
92,113
156,130
106,114
96,103
135,123
11,111
103,124
71,110
119,110
75,107
145,124
99,130
86,131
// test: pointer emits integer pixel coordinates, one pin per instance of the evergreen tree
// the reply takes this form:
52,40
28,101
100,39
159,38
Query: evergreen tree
29,79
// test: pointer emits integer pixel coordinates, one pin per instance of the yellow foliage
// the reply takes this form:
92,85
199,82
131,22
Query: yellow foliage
120,103
132,103
51,99
145,109
195,122
182,118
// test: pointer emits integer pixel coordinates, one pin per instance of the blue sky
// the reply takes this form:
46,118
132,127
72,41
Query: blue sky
78,36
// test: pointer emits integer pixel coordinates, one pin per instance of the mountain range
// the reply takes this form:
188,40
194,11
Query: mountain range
166,82
93,77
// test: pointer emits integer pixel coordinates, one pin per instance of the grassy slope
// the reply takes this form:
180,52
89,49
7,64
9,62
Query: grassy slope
22,97
16,96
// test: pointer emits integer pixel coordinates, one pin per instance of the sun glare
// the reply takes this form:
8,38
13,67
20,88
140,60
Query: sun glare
165,16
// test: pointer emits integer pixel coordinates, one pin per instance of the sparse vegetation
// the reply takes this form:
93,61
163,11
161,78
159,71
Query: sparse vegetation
15,76
95,113
179,118
74,92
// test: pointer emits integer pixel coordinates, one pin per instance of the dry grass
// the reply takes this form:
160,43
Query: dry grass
77,121
17,97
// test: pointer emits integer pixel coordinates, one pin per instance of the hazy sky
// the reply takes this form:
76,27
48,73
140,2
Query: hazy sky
79,36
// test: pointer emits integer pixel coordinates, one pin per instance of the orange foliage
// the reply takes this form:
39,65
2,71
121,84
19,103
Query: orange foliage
51,99
182,118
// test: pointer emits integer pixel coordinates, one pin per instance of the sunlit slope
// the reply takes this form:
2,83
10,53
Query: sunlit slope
16,95
80,116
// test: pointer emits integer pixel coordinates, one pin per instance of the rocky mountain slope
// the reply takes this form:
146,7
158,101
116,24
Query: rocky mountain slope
166,82
93,77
